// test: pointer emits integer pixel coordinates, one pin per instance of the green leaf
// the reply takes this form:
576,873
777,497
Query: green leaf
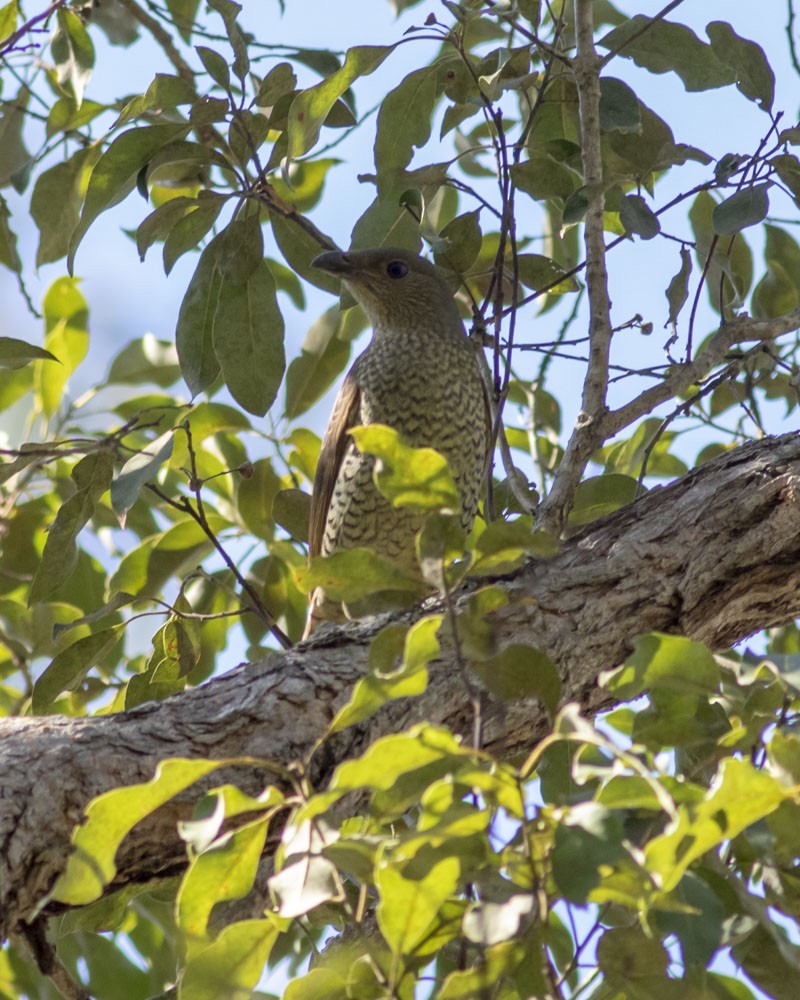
225,870
638,218
662,46
386,223
248,339
324,355
407,906
587,843
229,11
746,208
291,509
667,661
424,751
56,203
542,177
463,238
9,257
254,498
13,154
66,116
16,353
398,660
165,92
109,817
8,20
208,110
240,249
746,60
116,172
619,107
92,476
68,668
537,272
778,291
600,495
503,546
73,53
183,13
636,155
627,956
299,248
521,672
146,360
232,965
319,984
409,477
738,796
67,338
279,81
404,122
194,332
698,925
788,167
441,554
215,66
190,230
678,290
310,108
138,470
352,574
730,272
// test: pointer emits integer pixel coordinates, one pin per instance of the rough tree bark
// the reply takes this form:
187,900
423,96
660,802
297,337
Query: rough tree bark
715,556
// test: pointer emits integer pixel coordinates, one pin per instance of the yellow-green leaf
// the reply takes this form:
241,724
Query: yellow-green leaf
109,817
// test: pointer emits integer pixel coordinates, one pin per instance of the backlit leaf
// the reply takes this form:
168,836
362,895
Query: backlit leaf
92,477
109,817
416,477
248,339
310,108
116,171
73,53
66,670
138,470
231,965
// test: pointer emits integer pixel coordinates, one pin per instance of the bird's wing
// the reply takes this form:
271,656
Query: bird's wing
334,443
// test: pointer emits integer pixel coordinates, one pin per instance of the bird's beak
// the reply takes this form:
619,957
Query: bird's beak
334,262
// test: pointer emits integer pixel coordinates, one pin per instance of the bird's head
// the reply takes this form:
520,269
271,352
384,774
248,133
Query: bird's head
395,287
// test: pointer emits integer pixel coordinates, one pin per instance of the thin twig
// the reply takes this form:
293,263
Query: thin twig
26,28
199,516
162,36
790,36
743,328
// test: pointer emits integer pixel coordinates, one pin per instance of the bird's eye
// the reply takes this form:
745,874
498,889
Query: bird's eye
397,269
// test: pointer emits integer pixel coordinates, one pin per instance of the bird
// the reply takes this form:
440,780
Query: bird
419,375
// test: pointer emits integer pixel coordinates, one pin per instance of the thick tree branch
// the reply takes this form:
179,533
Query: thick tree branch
715,555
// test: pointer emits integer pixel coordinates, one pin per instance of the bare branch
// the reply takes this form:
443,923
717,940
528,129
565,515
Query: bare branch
740,330
587,436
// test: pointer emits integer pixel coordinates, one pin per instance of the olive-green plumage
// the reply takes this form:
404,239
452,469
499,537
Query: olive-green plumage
420,376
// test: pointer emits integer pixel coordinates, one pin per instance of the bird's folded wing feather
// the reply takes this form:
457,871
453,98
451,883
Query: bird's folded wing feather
334,444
